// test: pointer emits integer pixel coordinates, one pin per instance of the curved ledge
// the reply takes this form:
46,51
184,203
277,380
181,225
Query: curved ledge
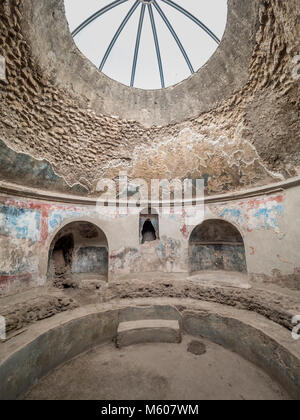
38,194
48,344
225,73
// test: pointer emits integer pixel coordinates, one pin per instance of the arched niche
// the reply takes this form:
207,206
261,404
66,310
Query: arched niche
78,252
216,245
149,226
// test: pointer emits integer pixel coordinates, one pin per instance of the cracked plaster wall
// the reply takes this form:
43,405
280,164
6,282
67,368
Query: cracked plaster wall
268,225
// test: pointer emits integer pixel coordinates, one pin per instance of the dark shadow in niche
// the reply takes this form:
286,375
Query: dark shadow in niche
61,259
149,226
65,247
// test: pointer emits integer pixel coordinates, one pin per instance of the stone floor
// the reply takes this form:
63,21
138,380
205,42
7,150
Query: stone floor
157,371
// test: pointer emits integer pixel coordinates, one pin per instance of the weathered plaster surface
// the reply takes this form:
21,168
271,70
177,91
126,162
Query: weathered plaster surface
91,260
216,245
217,257
269,226
264,213
20,223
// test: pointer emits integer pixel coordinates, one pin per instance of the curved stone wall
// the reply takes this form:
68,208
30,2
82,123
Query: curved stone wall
268,220
29,357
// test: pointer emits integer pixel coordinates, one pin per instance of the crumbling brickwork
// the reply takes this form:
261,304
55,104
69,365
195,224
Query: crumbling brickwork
252,138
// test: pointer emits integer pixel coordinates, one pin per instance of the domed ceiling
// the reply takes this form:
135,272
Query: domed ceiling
235,122
149,44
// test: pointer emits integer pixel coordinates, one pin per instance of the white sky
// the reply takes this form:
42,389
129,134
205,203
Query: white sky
94,40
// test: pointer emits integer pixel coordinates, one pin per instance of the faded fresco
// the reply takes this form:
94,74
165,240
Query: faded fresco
28,226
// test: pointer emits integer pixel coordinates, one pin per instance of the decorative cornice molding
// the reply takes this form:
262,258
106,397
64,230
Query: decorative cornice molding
15,190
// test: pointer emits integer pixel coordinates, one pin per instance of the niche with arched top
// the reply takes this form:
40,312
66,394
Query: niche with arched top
149,226
217,245
79,251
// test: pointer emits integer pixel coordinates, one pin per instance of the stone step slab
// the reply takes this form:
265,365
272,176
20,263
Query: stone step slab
148,331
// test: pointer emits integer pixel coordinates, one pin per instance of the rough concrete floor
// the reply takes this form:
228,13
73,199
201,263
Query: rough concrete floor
157,371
